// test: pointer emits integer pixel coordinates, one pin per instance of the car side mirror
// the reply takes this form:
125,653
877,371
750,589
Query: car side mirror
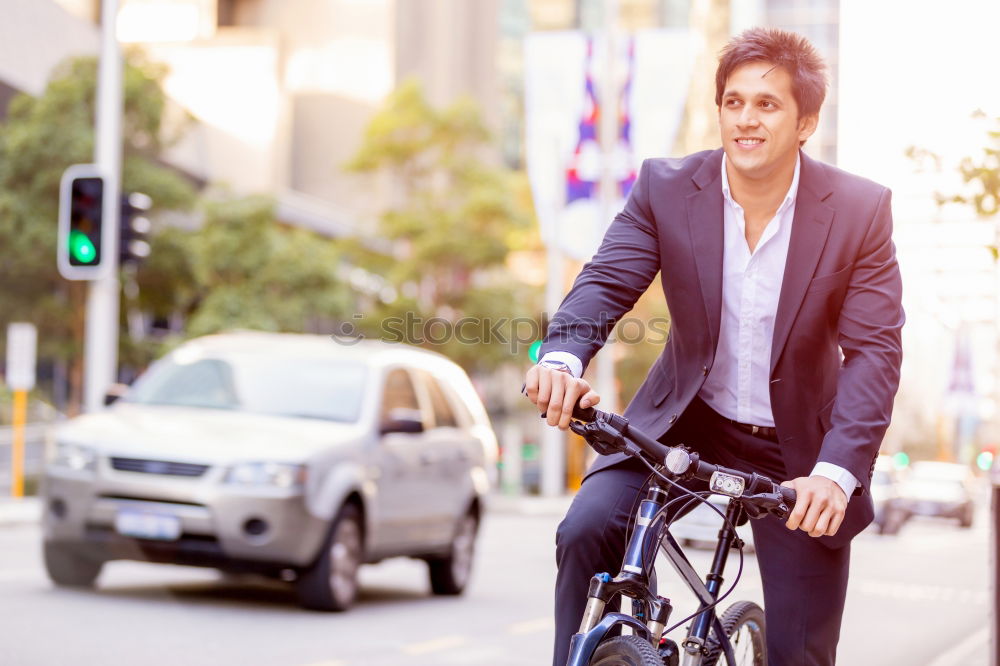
403,420
114,392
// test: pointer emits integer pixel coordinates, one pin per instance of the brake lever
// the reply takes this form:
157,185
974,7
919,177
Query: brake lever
600,435
761,504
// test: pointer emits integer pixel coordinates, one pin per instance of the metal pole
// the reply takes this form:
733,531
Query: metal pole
17,445
609,142
101,338
553,440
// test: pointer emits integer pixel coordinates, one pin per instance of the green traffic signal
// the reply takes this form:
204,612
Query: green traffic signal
900,459
984,460
81,249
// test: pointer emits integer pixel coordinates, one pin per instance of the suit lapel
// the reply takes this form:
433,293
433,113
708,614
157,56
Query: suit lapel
810,228
705,219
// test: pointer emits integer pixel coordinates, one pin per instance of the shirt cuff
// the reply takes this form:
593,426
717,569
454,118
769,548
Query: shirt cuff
838,475
575,364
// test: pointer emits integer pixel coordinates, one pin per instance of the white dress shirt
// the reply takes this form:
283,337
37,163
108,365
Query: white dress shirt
738,385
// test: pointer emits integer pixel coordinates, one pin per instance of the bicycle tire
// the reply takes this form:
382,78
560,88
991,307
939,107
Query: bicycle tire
743,623
625,651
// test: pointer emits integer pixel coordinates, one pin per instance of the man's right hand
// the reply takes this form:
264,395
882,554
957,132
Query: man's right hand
556,392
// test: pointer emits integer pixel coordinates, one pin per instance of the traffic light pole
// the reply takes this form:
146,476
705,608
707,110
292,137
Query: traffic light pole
101,338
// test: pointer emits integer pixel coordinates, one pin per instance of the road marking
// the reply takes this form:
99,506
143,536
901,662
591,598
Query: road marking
436,645
531,626
975,645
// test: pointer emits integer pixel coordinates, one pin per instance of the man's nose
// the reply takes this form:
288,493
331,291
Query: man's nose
747,118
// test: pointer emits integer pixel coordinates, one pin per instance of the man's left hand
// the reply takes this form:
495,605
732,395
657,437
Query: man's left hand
819,505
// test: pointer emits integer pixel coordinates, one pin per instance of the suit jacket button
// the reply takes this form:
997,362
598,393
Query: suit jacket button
704,369
673,418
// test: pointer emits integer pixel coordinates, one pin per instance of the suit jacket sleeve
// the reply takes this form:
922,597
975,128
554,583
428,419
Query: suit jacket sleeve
869,328
611,282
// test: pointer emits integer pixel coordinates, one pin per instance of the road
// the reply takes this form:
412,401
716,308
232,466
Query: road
919,599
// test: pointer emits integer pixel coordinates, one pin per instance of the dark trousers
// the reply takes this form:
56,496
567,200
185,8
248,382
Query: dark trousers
804,581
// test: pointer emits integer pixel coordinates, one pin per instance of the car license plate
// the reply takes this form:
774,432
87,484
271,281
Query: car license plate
148,525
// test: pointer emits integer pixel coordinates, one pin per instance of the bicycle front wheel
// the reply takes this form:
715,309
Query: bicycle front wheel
743,623
625,651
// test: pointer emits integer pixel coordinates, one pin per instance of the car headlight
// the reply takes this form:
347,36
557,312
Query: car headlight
276,475
74,456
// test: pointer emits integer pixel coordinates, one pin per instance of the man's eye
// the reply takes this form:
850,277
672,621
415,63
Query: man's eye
767,104
732,102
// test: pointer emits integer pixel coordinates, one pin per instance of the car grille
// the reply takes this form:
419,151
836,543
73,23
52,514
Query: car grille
164,467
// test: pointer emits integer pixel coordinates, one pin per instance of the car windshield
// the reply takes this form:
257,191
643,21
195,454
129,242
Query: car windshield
297,387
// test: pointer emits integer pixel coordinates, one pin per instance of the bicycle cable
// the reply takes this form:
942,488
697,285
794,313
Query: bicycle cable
695,497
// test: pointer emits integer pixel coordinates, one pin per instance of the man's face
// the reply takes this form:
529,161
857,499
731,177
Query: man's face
759,121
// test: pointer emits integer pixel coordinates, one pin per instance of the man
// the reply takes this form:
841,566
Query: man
772,264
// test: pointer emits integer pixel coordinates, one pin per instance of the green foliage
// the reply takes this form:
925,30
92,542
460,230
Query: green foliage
456,218
249,272
982,174
40,138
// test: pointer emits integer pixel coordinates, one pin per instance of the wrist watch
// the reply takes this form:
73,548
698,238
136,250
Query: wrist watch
556,365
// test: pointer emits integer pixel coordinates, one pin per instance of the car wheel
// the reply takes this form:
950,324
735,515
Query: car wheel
450,574
68,567
331,583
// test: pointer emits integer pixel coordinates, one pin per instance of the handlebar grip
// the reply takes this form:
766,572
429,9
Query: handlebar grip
586,414
788,494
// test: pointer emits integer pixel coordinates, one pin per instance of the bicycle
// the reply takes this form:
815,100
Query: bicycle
740,629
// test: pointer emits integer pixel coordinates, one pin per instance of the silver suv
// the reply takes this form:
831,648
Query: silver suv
287,455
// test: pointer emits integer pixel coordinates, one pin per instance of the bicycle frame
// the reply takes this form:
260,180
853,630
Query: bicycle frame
650,611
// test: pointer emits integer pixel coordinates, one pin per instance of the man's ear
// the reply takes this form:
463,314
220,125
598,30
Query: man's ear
807,125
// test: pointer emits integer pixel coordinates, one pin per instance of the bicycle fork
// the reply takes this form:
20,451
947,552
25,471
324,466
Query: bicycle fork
632,581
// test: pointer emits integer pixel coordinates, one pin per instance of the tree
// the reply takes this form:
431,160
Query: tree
250,272
454,219
981,174
41,137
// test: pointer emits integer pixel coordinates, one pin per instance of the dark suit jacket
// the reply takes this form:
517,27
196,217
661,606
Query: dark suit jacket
841,291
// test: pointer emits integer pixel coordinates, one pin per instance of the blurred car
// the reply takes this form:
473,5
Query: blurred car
700,527
938,489
286,455
889,513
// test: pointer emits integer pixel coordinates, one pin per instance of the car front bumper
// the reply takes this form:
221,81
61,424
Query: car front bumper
210,524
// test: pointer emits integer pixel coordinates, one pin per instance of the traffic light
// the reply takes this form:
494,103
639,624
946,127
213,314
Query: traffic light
133,243
81,224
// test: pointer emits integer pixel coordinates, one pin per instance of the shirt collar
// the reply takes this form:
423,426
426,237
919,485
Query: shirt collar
790,196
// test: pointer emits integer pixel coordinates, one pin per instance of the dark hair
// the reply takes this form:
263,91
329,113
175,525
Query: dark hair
782,49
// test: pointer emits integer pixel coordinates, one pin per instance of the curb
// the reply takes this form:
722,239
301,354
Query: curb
23,511
28,510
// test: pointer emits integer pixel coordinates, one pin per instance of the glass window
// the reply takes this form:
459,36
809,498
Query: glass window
399,393
444,417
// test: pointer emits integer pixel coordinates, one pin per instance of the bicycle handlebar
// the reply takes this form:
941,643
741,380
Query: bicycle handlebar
609,433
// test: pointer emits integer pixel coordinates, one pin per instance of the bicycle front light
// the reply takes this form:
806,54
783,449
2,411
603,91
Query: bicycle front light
726,484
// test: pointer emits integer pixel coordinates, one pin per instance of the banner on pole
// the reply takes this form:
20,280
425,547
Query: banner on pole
564,75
